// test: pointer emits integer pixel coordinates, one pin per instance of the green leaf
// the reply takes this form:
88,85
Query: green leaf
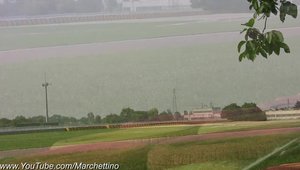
276,50
255,4
263,53
240,45
269,36
242,56
288,8
245,29
250,23
282,14
285,47
250,46
279,35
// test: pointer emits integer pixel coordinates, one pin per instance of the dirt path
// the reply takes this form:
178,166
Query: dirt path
293,166
141,142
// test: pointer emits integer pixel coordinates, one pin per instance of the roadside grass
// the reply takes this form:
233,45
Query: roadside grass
41,139
210,166
133,133
289,155
227,154
81,33
47,139
235,152
244,126
128,159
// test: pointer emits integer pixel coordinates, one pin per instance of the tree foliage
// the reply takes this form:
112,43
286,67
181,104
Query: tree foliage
297,105
258,42
246,112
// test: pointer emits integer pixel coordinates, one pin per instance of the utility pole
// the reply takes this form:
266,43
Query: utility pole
45,85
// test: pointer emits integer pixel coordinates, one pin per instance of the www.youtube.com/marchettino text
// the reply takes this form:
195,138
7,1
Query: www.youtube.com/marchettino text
66,166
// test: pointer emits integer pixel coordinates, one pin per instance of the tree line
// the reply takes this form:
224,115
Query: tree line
126,115
233,112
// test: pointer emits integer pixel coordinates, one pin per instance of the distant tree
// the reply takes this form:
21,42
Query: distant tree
91,117
177,116
231,111
19,120
165,116
84,120
5,122
112,118
140,116
64,120
248,112
185,112
153,114
37,119
98,119
127,114
297,105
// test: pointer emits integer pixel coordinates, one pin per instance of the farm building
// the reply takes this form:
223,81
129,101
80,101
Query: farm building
148,5
203,113
283,114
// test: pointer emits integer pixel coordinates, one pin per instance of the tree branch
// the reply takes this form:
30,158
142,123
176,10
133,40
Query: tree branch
265,26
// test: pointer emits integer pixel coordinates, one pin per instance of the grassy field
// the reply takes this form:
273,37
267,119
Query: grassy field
34,140
46,139
213,154
67,34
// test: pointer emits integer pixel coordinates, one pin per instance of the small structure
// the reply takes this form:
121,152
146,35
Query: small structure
203,113
282,114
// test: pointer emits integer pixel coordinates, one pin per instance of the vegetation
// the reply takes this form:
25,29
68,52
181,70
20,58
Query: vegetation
248,112
288,155
46,139
126,115
265,43
297,105
128,159
225,154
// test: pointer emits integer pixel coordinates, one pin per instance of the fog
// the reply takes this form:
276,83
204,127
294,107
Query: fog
103,55
34,8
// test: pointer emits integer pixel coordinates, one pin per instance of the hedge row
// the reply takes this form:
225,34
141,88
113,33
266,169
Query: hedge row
96,17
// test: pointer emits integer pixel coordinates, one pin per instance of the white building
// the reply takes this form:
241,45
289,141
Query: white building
283,114
203,113
148,5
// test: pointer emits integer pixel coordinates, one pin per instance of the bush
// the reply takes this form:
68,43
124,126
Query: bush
248,112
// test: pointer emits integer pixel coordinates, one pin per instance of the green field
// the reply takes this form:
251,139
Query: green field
47,139
213,154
